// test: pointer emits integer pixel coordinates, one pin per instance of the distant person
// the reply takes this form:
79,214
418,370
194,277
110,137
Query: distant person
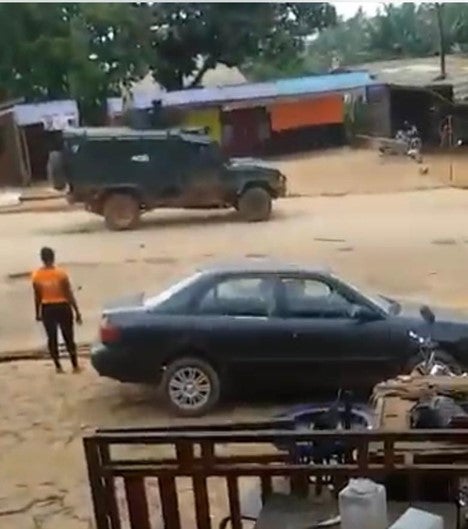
54,305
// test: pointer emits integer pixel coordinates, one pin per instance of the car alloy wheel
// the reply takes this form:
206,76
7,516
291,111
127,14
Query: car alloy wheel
189,388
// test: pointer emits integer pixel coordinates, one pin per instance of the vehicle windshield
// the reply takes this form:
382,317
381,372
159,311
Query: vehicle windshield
162,297
388,305
385,304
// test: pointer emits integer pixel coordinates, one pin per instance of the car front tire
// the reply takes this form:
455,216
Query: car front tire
191,387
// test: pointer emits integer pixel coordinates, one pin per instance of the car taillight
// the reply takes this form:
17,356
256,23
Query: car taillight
109,333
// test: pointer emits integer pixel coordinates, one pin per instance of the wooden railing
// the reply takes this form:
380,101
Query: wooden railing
233,452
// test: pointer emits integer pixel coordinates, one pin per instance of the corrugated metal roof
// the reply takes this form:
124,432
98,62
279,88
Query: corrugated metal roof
338,82
122,133
422,72
63,111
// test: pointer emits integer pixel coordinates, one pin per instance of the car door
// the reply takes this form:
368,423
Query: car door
329,348
238,325
160,164
200,170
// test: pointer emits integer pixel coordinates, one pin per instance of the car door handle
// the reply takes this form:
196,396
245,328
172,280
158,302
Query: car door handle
295,335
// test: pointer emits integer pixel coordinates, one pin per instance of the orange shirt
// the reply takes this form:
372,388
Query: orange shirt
51,284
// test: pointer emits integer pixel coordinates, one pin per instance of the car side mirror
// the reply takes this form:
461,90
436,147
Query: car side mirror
363,314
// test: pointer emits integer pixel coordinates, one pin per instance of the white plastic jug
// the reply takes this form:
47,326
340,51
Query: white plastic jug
363,505
420,519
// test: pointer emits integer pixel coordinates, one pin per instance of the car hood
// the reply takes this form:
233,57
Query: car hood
449,327
441,314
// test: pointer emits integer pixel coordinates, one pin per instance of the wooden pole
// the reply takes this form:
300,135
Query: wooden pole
440,25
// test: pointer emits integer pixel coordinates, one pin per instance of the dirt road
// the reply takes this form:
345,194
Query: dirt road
43,483
406,244
411,245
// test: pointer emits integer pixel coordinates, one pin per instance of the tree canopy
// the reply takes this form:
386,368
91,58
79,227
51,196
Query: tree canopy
406,30
89,51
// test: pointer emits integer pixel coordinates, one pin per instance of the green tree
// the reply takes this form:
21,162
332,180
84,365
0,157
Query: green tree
188,38
89,51
84,51
346,43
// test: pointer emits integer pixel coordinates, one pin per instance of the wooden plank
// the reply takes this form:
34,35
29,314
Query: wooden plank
389,454
184,453
219,460
363,456
286,470
284,437
208,452
169,502
234,502
98,491
137,502
109,482
266,487
202,504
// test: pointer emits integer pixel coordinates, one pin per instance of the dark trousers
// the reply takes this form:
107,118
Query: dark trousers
55,315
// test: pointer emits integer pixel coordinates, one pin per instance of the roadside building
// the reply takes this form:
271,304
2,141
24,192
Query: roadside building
142,94
42,125
13,160
28,132
411,90
272,117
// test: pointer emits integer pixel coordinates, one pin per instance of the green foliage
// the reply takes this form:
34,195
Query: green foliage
90,51
189,39
83,51
406,30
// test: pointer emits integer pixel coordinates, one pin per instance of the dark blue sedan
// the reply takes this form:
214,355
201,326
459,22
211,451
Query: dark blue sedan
265,326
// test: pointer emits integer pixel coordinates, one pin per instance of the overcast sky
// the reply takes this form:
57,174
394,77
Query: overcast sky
348,9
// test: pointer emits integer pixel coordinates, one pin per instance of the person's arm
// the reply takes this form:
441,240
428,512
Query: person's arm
71,299
37,302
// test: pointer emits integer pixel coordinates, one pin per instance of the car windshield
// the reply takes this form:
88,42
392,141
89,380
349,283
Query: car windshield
388,305
159,299
385,304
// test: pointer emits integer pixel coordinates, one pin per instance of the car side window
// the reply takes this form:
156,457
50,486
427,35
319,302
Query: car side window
312,298
252,296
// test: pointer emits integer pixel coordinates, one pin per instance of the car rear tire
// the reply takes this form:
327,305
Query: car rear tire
442,359
191,387
121,211
255,204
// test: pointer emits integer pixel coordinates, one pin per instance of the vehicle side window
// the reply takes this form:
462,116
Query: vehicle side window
252,296
312,298
201,154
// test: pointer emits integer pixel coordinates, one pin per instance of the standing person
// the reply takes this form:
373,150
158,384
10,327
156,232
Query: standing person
54,304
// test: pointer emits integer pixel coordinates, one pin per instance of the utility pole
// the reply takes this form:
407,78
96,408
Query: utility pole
440,23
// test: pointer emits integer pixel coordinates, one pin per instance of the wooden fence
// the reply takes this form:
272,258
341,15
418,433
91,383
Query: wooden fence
231,453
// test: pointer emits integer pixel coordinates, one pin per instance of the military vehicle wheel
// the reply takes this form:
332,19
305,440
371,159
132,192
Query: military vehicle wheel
255,204
55,171
121,211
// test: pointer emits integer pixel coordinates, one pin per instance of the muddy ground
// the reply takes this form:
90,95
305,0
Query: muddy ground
408,244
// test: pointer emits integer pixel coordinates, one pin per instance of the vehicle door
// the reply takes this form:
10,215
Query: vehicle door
200,170
329,347
158,163
237,323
